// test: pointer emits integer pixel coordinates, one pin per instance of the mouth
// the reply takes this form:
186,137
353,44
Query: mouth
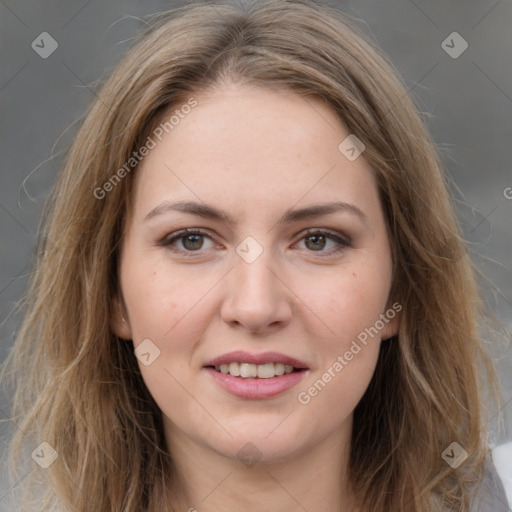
256,376
256,371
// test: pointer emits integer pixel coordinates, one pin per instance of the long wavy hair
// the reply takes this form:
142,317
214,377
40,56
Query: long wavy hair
80,390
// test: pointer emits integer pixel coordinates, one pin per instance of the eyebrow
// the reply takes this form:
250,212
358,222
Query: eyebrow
210,212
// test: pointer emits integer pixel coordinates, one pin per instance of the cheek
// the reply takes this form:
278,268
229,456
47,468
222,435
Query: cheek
347,300
333,395
349,305
347,359
161,299
168,307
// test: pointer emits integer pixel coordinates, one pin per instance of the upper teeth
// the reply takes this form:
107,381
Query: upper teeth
247,370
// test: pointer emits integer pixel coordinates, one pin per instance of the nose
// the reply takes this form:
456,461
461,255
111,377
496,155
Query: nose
257,297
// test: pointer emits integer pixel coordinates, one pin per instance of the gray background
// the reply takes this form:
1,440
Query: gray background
467,103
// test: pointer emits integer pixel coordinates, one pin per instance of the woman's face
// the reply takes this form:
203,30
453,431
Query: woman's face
250,167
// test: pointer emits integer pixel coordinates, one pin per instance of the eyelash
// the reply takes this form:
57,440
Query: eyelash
169,240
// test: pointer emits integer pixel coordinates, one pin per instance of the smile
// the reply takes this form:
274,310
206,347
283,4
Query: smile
260,371
256,376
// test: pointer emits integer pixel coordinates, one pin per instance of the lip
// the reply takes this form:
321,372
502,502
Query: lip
265,357
255,388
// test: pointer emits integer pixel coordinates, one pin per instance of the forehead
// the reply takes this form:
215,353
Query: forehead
251,145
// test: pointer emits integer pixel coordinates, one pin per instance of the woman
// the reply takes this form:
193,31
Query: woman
193,342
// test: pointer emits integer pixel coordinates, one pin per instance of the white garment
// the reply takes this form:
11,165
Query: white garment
497,482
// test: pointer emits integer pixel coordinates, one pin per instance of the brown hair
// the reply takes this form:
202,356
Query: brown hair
81,391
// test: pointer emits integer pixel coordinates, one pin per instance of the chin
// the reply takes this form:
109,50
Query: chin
267,442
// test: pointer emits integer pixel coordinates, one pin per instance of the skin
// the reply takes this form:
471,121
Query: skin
255,153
